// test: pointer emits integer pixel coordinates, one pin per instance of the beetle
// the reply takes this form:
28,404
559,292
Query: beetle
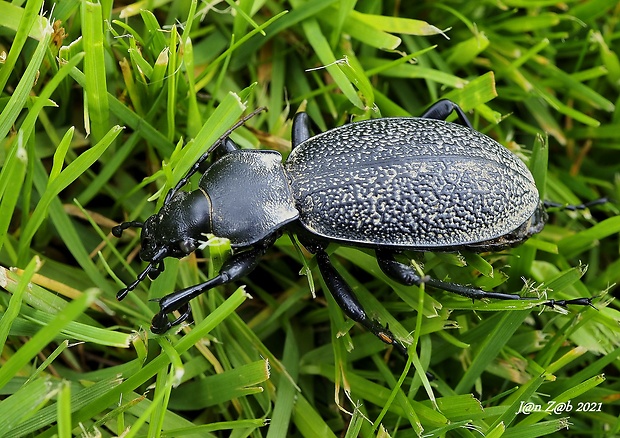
388,184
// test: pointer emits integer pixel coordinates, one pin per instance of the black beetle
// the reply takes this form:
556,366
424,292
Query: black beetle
390,184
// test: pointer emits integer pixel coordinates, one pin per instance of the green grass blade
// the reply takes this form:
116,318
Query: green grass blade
30,24
33,395
94,69
490,347
66,177
18,99
219,388
321,47
16,300
44,336
11,179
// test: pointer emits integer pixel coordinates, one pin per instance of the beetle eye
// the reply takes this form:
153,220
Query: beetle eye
187,246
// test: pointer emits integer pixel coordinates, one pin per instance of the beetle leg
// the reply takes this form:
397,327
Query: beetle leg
348,302
442,109
570,207
398,271
301,129
566,303
406,275
163,321
473,293
238,266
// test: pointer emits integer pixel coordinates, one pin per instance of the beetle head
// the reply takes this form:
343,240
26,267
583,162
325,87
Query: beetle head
177,229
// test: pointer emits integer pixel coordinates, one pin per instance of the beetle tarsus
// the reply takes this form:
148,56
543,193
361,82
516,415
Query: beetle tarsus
121,294
566,303
571,207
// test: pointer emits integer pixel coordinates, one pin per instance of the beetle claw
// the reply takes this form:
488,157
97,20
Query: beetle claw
160,323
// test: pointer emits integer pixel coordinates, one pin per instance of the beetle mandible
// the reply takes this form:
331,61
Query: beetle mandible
388,184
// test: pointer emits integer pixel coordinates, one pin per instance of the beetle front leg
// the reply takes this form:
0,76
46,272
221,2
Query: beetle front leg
348,302
238,266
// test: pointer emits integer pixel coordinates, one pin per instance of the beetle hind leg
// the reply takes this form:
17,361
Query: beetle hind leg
406,275
348,302
442,109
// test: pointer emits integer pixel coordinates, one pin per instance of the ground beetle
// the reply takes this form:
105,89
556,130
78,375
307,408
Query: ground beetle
389,184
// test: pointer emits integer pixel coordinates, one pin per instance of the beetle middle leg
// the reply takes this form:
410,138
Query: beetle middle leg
406,275
348,302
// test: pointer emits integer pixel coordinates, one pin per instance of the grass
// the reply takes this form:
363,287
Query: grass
105,106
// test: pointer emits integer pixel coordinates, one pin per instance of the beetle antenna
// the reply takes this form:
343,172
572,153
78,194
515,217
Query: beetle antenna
121,294
156,266
117,230
204,156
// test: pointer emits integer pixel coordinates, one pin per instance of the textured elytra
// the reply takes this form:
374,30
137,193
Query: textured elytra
409,182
